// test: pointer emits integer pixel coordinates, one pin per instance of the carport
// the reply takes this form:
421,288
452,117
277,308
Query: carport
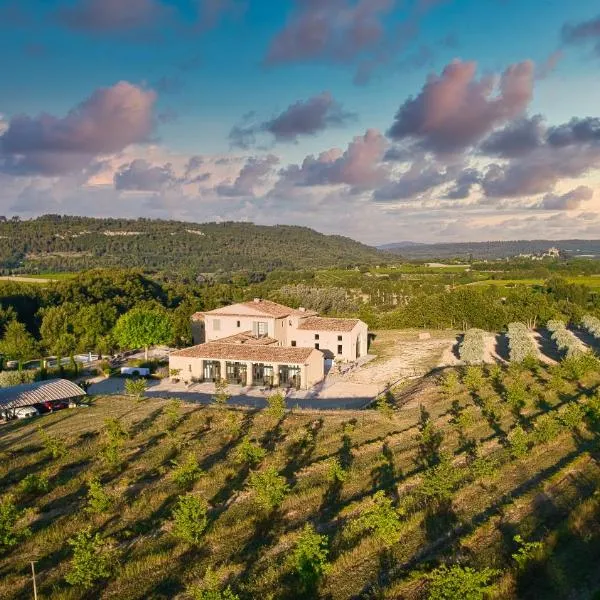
28,394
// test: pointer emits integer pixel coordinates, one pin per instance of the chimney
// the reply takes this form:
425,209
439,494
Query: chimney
256,300
302,309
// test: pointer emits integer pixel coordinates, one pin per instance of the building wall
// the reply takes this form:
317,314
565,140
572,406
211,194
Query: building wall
229,326
192,368
329,341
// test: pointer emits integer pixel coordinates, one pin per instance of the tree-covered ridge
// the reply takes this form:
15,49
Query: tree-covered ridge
63,243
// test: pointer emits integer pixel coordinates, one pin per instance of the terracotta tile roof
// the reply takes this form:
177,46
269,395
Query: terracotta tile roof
275,354
246,337
260,307
327,324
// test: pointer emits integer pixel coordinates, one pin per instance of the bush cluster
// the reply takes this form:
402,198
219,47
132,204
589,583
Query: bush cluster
472,348
592,324
566,342
520,344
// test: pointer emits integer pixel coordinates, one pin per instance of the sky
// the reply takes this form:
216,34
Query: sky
382,120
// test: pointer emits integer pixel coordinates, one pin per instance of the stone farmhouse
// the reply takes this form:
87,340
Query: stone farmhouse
264,343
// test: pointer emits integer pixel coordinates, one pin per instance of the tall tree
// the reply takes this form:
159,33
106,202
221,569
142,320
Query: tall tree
142,327
17,343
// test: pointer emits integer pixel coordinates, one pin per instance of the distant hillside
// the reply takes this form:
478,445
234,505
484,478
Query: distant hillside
492,250
55,243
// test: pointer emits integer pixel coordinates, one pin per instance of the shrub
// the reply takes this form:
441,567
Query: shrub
516,395
520,344
11,533
173,412
106,368
579,365
380,518
276,405
54,447
336,473
10,378
135,387
546,428
187,472
592,324
472,348
34,484
211,589
93,559
572,415
249,454
518,442
473,378
441,481
527,552
98,499
450,384
221,395
384,406
309,557
115,436
189,519
460,583
269,488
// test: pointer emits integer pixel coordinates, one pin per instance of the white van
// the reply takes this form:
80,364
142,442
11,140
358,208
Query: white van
26,412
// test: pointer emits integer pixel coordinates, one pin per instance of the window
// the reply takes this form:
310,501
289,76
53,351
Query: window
239,324
217,324
260,328
316,336
293,343
290,322
340,349
339,338
316,346
190,368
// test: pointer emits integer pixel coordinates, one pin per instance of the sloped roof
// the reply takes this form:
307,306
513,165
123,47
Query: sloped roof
259,308
269,354
328,324
40,391
246,337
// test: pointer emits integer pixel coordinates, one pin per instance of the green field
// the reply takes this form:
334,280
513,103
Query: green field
460,477
590,281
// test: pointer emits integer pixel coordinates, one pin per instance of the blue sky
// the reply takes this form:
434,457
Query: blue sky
199,66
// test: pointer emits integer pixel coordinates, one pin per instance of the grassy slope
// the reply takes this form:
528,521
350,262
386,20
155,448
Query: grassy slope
550,495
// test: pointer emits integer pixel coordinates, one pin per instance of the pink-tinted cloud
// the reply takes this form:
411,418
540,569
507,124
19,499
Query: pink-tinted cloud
254,174
455,110
360,166
336,30
572,200
107,122
303,118
519,137
139,175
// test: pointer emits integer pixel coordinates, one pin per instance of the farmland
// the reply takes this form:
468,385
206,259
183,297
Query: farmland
467,460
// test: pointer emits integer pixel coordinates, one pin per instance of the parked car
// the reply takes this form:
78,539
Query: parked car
26,412
51,406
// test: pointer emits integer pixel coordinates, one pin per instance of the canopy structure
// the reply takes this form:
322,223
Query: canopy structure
28,394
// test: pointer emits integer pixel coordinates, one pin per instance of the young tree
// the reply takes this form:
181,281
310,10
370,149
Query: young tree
380,518
460,583
34,484
189,519
53,446
17,343
187,472
276,405
136,387
11,532
114,440
249,454
309,557
98,499
142,327
269,488
221,395
518,442
336,472
93,559
211,589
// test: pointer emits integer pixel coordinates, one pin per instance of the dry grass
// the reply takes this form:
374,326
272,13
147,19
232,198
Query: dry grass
548,495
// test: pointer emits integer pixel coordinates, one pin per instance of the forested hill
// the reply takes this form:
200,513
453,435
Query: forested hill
63,243
491,250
